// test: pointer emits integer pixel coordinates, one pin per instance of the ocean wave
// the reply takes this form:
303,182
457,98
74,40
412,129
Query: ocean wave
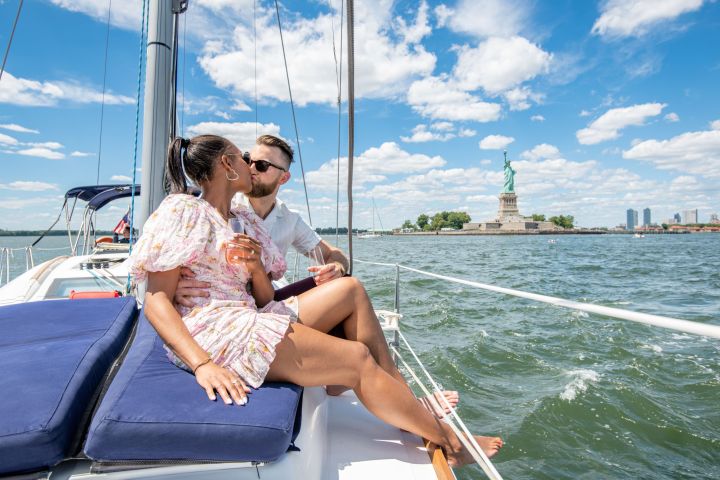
579,383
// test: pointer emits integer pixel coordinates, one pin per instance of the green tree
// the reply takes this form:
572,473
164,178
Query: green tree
438,221
564,221
408,225
457,219
422,221
538,217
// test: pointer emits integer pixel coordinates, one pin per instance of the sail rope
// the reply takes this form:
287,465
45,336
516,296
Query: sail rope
685,326
338,73
351,122
12,34
102,103
143,30
255,63
292,107
462,432
182,111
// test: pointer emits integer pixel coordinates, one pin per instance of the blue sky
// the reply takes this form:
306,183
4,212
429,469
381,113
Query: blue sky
602,106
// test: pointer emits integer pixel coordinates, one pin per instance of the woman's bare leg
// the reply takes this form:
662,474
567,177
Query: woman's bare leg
345,301
304,355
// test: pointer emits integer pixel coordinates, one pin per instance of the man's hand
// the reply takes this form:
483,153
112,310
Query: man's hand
325,273
188,287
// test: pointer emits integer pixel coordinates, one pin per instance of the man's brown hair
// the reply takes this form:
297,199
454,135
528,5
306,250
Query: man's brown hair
273,141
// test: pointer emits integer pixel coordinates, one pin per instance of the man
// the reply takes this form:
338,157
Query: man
270,161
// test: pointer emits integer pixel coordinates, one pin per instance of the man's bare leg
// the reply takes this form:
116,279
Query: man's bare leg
303,357
345,301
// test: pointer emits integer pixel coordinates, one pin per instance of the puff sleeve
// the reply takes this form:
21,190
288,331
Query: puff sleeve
272,259
175,234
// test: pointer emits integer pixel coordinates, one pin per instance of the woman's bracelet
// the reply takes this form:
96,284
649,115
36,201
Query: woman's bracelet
204,362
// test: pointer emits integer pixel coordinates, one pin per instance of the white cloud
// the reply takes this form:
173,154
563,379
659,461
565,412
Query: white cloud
28,186
495,142
542,151
608,125
123,14
81,154
50,145
518,98
21,91
537,118
17,128
486,18
442,126
439,99
715,125
7,140
372,166
623,18
500,64
120,178
442,14
672,117
422,134
240,106
692,152
41,152
585,113
242,134
466,132
388,58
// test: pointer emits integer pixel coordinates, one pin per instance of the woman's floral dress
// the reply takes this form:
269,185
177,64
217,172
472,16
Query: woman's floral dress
188,231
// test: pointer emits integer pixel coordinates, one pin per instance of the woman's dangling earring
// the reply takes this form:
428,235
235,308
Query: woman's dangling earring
234,178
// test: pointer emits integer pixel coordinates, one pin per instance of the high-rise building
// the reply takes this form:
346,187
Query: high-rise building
677,218
646,217
714,218
632,219
690,216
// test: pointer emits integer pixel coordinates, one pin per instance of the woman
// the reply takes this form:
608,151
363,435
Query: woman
241,336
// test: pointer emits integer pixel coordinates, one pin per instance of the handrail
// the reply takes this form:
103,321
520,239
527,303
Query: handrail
685,326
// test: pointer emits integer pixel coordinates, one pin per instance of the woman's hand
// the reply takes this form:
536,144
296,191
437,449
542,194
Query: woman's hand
252,254
214,378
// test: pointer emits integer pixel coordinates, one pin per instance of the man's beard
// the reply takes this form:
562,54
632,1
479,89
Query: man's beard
262,189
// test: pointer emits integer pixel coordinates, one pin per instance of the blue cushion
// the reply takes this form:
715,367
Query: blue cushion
54,355
154,410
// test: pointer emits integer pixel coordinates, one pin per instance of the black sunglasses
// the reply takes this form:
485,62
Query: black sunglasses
261,166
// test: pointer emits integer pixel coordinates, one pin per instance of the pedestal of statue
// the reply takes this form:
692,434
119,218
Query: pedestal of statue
508,207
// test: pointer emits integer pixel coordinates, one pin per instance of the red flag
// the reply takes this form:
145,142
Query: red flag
124,222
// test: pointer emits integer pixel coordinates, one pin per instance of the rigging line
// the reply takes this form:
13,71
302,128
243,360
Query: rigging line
339,105
102,104
351,121
182,114
292,107
143,30
255,63
12,34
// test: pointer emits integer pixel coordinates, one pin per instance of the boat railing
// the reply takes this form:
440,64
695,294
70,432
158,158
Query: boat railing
685,326
7,253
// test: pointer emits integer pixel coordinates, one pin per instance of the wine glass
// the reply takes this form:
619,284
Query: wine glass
234,252
315,259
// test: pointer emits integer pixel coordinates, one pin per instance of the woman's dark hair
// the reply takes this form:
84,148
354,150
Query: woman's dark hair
197,156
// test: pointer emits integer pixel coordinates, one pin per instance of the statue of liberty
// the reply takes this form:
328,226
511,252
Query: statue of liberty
509,186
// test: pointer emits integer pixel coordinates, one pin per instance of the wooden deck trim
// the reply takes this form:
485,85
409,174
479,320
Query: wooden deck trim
439,462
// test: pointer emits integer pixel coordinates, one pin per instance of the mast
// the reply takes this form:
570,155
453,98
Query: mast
159,100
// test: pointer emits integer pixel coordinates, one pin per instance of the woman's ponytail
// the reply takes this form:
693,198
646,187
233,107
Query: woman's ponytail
193,159
175,173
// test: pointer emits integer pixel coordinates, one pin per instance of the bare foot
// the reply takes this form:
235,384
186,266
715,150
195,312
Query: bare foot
335,390
452,398
461,456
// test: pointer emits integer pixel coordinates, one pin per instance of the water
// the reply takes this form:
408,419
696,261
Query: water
573,395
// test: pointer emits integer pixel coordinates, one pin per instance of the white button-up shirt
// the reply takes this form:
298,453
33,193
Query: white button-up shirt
286,227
